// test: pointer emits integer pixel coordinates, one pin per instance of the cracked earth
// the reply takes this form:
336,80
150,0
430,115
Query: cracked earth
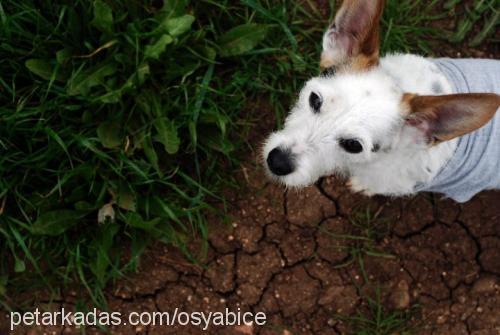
296,257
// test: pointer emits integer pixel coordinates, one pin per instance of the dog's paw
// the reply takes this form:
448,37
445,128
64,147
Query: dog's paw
355,185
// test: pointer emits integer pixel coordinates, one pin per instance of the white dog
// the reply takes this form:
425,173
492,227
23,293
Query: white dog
394,126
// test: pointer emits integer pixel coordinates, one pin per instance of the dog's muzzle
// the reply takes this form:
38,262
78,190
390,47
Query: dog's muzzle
280,162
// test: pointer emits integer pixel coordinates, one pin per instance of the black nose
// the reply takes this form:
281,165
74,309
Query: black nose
280,162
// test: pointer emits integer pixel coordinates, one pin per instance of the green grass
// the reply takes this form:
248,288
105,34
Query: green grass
474,14
406,26
377,320
131,110
374,318
368,229
121,120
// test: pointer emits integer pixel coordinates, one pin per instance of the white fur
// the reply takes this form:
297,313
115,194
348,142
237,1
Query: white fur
366,106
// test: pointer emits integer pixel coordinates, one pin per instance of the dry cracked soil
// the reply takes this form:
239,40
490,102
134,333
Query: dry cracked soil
310,258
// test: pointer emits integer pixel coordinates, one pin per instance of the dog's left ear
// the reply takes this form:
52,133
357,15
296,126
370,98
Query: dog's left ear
442,118
353,38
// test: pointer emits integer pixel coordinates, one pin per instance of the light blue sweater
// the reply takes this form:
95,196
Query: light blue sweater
475,165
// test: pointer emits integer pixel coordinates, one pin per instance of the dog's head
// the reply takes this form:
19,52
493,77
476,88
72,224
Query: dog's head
357,113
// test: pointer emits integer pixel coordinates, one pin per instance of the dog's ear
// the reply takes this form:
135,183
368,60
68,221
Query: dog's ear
442,118
353,38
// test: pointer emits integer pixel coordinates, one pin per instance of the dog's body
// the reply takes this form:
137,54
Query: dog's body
396,125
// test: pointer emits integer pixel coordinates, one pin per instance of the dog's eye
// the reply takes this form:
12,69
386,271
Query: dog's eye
351,146
315,101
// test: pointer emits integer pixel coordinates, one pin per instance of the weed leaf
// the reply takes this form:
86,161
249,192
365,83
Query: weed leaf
109,134
40,67
155,50
110,97
125,199
178,25
242,39
82,83
136,221
55,222
103,17
167,135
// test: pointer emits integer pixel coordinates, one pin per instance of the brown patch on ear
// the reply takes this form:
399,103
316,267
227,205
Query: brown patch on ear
406,103
364,62
356,35
445,117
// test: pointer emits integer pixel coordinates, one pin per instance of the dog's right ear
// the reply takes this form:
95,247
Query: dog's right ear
445,117
353,38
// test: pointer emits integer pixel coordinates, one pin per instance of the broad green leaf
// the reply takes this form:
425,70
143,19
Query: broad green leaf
125,199
83,82
109,133
242,39
156,49
103,17
178,25
55,222
167,135
40,67
135,220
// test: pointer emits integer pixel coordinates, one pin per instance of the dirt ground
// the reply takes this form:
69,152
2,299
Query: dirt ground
289,254
310,259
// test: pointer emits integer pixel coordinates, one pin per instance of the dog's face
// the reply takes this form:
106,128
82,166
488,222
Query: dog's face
357,115
338,121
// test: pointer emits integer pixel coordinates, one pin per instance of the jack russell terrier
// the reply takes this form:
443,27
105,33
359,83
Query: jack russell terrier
394,126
